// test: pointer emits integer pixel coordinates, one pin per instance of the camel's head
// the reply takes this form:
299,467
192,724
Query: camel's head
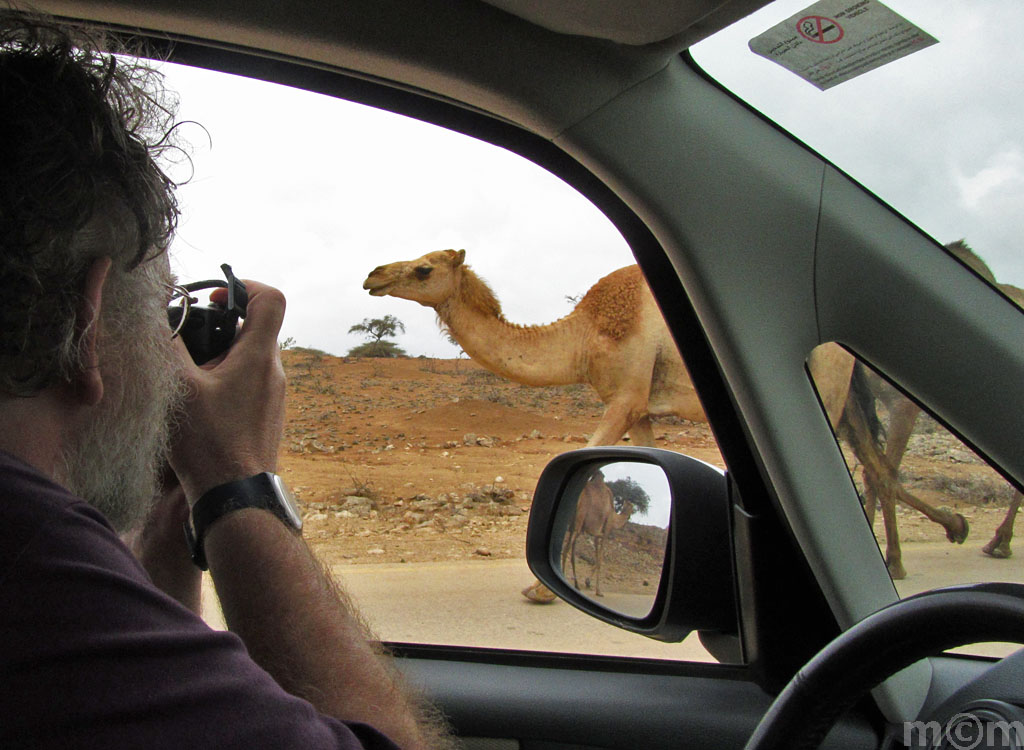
429,280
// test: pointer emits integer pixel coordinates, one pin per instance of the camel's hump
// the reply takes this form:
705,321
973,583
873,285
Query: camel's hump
613,303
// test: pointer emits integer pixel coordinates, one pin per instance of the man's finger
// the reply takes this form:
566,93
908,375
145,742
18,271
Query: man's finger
264,315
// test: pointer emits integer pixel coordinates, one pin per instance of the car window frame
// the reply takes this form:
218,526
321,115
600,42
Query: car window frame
776,653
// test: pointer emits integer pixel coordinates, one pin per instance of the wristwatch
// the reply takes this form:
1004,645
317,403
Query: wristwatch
267,491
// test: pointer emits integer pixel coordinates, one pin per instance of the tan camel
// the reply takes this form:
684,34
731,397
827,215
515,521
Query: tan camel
852,415
596,516
615,339
999,545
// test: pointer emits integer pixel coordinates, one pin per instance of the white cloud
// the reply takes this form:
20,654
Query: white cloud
1000,183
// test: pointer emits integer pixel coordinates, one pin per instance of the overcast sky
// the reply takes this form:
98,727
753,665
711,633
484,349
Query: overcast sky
311,193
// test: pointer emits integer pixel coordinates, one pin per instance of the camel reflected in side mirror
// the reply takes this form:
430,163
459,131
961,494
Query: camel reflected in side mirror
614,547
640,538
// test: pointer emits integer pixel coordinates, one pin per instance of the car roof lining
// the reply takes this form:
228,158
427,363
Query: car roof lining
677,23
548,79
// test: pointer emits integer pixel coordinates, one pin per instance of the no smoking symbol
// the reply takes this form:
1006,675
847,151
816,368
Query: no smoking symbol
819,29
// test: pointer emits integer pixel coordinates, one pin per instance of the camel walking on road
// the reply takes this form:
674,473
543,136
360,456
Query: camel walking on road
596,517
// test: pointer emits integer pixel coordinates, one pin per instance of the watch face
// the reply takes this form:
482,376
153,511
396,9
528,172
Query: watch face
291,508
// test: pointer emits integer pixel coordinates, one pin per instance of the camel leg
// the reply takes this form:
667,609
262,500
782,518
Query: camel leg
999,546
570,544
884,478
642,433
572,557
955,524
620,415
538,593
893,553
903,416
875,495
598,547
880,475
875,491
870,503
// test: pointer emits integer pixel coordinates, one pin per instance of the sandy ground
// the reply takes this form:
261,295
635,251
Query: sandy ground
416,477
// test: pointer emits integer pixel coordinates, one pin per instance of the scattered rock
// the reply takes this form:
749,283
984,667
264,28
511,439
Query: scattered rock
357,505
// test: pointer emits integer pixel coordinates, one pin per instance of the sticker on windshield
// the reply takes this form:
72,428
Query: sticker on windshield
835,40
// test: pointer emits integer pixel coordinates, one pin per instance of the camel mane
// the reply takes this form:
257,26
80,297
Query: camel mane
475,293
611,305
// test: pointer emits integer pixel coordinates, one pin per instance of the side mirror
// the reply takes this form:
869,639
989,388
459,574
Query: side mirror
637,537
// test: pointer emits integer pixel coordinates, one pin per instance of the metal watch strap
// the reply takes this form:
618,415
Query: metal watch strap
252,492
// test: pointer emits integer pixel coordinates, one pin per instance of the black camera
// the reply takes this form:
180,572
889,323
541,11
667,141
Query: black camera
208,331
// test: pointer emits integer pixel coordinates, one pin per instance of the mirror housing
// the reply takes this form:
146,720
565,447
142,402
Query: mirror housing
697,589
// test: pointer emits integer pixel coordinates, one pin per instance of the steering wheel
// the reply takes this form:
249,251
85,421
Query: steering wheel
881,645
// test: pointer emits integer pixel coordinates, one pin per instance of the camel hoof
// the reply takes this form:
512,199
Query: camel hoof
539,593
959,536
896,570
998,548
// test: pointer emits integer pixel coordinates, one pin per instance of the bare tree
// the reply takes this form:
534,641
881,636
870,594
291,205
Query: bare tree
377,331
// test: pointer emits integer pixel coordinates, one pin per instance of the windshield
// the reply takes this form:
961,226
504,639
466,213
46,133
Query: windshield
936,134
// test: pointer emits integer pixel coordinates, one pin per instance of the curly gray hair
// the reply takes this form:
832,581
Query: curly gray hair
80,132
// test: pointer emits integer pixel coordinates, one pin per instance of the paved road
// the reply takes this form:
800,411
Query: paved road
477,603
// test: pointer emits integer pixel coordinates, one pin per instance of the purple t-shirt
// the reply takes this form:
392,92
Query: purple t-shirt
93,655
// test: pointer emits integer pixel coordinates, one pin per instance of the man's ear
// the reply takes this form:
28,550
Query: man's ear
88,382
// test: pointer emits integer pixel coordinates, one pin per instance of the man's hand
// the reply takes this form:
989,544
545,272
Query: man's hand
234,414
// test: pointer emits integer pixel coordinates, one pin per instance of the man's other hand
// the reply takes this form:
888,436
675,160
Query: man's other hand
234,413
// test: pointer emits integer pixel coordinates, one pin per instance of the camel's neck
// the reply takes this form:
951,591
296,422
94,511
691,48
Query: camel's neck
531,355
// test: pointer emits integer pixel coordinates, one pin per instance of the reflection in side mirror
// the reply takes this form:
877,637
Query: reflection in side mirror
616,536
640,538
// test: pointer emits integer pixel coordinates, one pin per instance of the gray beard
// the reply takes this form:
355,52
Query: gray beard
116,461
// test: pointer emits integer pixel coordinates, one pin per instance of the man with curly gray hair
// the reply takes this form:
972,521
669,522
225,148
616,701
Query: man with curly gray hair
107,427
